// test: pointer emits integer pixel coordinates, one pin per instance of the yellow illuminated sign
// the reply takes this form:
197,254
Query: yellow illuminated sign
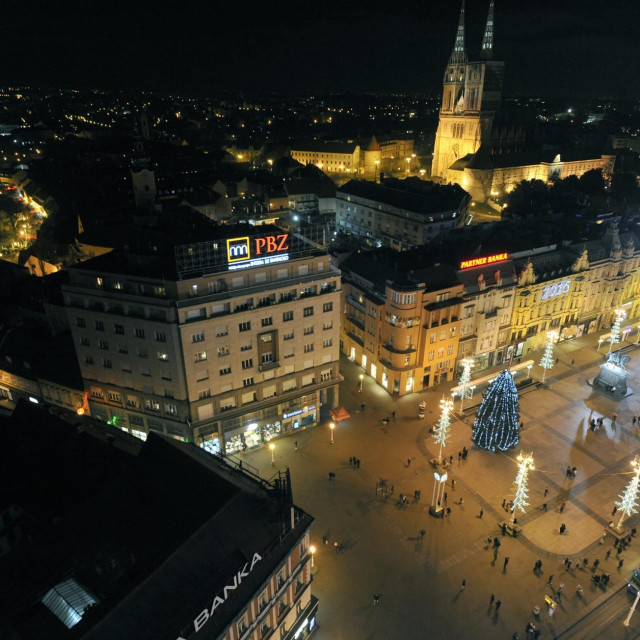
480,262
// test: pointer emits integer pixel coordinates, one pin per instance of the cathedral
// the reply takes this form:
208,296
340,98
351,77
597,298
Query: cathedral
477,150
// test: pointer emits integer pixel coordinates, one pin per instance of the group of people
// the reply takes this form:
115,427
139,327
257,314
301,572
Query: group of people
571,472
354,462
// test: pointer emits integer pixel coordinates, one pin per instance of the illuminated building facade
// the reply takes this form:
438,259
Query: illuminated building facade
227,342
402,329
400,214
485,321
331,157
476,151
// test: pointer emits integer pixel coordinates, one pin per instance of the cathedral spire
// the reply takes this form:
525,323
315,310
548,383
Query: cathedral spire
486,51
458,55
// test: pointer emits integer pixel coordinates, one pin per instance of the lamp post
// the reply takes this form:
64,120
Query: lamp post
312,549
600,341
529,370
332,426
633,608
272,447
375,171
361,379
440,477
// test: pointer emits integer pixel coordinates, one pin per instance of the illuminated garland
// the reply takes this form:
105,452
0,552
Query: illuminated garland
496,423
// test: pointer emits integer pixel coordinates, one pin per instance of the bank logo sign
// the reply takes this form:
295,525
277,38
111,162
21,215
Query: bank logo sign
238,249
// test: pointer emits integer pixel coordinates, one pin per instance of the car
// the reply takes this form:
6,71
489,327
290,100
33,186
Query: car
634,581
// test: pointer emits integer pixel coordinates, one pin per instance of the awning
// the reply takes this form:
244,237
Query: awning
340,413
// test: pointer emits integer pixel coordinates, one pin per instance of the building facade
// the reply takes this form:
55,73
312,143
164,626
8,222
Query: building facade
331,157
233,343
400,214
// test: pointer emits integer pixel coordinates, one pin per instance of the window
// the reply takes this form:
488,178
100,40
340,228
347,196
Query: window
226,371
282,606
288,336
287,316
88,359
440,354
327,325
99,325
204,394
327,343
450,350
308,348
200,356
171,408
432,338
307,311
119,329
327,306
80,322
246,347
103,344
220,332
245,326
97,393
247,364
307,331
114,396
267,357
162,355
247,382
243,624
85,342
160,337
264,629
193,290
198,337
223,351
106,363
139,333
152,405
267,322
432,355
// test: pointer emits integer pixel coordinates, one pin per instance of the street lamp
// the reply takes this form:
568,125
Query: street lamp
332,426
529,370
361,379
272,447
600,339
312,549
438,490
633,608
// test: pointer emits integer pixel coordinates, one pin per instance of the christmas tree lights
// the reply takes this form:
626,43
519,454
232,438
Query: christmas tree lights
465,378
496,423
629,499
441,434
547,357
614,336
525,463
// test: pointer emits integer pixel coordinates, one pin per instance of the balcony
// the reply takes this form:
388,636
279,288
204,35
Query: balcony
356,321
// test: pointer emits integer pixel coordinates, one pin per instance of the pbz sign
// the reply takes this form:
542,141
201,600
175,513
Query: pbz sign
252,248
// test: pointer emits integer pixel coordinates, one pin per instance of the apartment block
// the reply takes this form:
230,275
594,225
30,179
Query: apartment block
227,341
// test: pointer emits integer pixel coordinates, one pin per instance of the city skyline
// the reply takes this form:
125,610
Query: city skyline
579,49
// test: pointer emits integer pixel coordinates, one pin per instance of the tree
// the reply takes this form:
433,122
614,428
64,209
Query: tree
624,186
546,361
496,423
592,182
530,197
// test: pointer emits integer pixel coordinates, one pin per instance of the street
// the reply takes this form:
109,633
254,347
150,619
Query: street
420,580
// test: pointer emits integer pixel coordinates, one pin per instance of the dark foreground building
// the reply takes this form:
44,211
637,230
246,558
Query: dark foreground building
103,536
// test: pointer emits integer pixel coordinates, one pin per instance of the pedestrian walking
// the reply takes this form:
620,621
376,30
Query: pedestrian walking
498,605
544,506
615,509
492,599
450,459
634,421
546,491
376,598
585,562
453,483
408,462
351,461
393,415
295,444
504,502
460,502
563,528
358,462
421,534
459,456
568,565
448,511
465,452
550,580
463,585
606,555
481,513
557,360
562,506
445,495
579,591
363,406
506,562
620,563
559,591
568,472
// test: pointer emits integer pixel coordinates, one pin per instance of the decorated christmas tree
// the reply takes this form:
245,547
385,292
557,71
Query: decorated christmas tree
547,357
496,423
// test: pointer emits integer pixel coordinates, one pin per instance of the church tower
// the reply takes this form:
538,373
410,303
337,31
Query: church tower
471,95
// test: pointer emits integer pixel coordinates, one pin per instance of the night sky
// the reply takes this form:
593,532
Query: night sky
571,48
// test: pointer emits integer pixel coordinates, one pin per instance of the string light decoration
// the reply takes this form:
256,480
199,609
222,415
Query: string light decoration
496,425
525,464
441,434
547,357
614,336
465,378
629,499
